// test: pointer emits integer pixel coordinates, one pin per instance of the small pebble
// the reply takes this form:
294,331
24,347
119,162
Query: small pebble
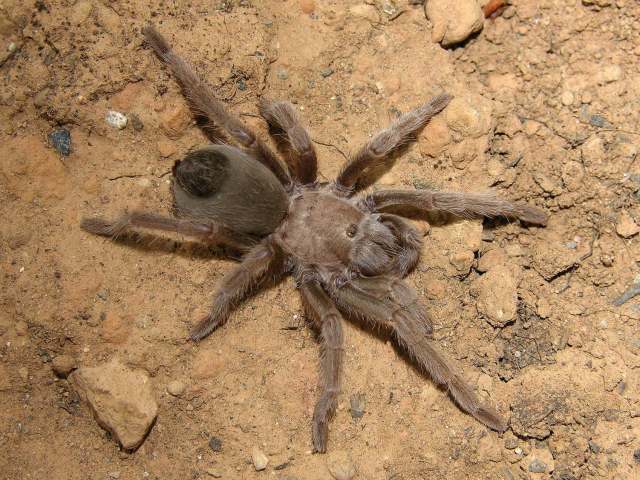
282,73
612,73
340,466
307,6
116,119
594,447
114,475
598,121
63,365
358,403
326,72
136,123
636,455
12,47
215,444
567,98
259,459
214,473
537,466
176,388
60,140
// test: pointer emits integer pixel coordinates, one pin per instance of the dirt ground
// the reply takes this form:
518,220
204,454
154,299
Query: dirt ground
550,90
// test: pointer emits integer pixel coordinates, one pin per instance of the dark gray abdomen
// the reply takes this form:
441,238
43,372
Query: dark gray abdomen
223,184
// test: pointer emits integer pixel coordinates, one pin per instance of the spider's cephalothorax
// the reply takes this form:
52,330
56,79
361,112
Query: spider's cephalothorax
348,254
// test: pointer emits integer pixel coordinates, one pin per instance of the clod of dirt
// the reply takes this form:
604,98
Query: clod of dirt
307,6
63,365
498,296
626,226
176,388
366,12
554,258
540,461
121,400
491,259
470,116
175,121
341,466
215,444
259,459
453,22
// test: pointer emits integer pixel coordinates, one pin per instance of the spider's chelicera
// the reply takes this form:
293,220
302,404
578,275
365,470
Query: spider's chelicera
347,253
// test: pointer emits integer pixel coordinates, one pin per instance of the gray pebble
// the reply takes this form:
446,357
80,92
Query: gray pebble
326,72
636,455
60,140
537,466
215,444
594,447
282,73
598,121
136,123
259,459
358,403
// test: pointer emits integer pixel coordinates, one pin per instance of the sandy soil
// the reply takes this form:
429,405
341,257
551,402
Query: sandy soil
552,88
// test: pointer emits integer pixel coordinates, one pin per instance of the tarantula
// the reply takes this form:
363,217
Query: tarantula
348,254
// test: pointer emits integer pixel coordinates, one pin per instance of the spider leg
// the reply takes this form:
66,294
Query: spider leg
205,105
327,320
367,297
211,233
456,203
236,285
409,242
292,139
376,155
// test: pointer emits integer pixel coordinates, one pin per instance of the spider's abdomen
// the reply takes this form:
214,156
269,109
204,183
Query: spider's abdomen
224,184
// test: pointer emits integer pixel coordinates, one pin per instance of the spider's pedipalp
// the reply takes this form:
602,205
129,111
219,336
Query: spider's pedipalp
328,322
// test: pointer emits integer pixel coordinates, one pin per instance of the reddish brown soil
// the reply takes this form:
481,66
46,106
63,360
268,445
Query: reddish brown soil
558,83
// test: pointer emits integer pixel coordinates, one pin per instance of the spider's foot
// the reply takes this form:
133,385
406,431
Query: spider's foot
203,328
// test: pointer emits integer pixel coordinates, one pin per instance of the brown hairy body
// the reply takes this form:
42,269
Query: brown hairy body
347,253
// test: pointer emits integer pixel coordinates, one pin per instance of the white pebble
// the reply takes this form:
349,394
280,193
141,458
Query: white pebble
259,459
567,98
116,119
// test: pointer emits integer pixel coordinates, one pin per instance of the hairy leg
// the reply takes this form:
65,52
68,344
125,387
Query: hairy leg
236,285
327,320
292,139
375,156
456,203
409,242
211,233
204,104
365,297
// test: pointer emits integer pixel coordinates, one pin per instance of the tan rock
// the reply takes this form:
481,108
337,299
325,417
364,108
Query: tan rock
470,116
366,12
626,226
63,365
114,329
120,398
453,22
166,148
175,121
497,295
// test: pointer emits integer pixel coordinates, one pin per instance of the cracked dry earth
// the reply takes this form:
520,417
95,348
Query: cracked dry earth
546,111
